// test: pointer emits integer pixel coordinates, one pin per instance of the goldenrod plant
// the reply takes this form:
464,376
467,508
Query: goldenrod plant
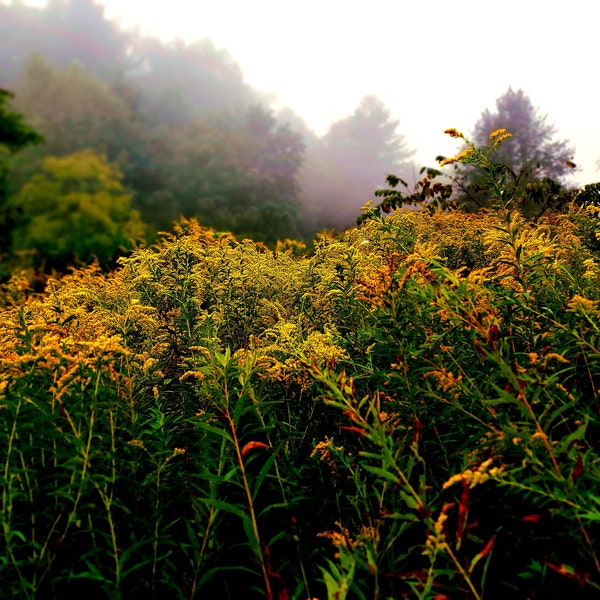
408,410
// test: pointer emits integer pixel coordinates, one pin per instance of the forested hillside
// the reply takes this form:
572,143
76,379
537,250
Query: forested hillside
184,131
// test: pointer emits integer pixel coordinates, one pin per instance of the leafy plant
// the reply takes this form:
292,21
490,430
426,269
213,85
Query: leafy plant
409,410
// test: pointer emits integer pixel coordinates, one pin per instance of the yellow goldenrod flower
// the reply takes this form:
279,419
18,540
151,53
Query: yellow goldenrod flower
136,443
497,133
497,137
460,157
452,132
555,356
584,306
475,476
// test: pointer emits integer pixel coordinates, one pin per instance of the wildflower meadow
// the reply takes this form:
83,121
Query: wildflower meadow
408,409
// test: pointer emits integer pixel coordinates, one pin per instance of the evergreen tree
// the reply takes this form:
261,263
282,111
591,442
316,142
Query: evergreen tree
15,135
351,161
535,164
533,146
367,144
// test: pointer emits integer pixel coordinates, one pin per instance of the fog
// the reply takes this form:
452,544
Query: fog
269,121
435,64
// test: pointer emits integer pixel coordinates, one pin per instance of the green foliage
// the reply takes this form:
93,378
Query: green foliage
14,132
75,210
15,135
236,176
74,109
409,410
427,193
233,171
498,185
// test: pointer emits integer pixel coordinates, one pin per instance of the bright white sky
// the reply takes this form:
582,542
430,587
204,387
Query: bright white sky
434,63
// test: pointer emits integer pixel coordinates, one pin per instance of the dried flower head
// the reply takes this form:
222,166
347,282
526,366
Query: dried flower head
452,132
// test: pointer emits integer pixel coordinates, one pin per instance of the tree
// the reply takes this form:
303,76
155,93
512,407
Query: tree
367,143
15,135
352,160
534,159
75,210
236,174
182,82
532,146
73,109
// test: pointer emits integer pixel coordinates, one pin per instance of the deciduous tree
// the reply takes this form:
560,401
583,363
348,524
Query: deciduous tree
75,210
73,109
237,174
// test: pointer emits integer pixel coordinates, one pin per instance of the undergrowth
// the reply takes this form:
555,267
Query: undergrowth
411,410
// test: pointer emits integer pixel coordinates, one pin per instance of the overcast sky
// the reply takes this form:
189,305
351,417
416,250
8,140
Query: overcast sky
435,64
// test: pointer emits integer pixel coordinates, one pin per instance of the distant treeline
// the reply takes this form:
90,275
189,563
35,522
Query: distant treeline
189,136
125,134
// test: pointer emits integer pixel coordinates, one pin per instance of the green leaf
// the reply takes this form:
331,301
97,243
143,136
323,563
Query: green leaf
382,473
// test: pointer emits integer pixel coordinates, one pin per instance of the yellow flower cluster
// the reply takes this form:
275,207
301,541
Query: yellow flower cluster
284,350
373,286
452,132
436,540
340,539
476,475
468,153
584,306
16,289
592,268
447,381
323,450
497,137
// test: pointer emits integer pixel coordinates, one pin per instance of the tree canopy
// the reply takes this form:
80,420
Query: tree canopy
236,174
346,166
533,146
73,108
75,210
15,134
